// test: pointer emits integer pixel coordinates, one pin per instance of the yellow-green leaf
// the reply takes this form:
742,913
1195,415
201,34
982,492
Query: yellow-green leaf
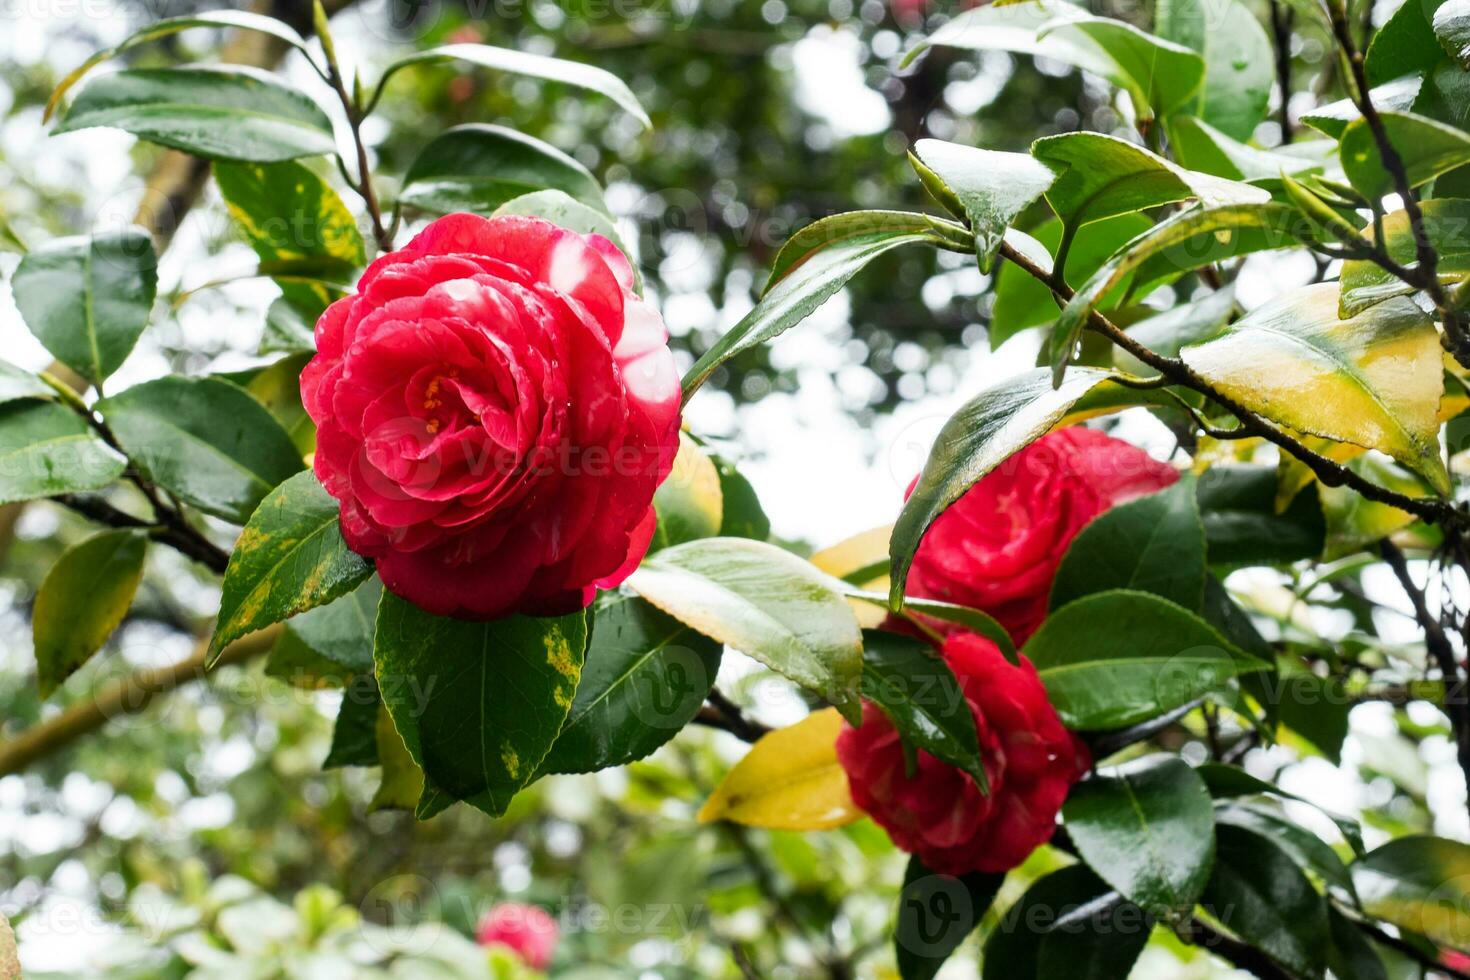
690,504
1373,380
789,780
82,600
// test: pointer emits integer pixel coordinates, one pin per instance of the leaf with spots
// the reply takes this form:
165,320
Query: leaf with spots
478,704
290,558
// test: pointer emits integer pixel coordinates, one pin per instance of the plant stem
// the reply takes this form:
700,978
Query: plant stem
364,183
184,539
1281,24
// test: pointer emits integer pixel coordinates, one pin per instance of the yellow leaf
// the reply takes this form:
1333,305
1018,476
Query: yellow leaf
1373,380
789,780
690,503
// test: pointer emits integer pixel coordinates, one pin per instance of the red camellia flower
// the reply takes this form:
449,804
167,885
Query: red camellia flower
939,813
997,548
526,930
495,408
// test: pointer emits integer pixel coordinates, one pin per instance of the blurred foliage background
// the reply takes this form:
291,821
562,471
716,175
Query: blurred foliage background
201,834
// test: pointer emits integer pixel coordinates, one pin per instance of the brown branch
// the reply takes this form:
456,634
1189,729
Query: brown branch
1442,650
1241,955
184,538
122,696
1329,472
1282,17
723,714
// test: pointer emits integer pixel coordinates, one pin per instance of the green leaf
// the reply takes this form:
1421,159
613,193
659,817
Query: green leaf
1427,148
1021,301
1260,895
1148,829
1446,221
1452,27
82,600
1242,526
221,19
204,439
17,383
289,214
478,168
1395,96
575,73
46,449
1373,380
1158,75
920,694
87,299
985,188
287,329
1153,544
1352,956
1200,146
1308,850
1101,176
1183,241
764,602
813,265
935,914
221,112
1038,938
478,704
355,732
1419,883
743,515
1016,27
690,503
979,437
1404,45
1230,782
970,619
330,643
645,678
277,386
1116,658
290,558
1239,60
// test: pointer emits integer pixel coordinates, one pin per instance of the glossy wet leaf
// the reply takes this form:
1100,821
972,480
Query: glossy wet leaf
288,214
646,675
1420,883
277,386
764,602
287,329
1232,782
290,558
1159,75
206,440
1258,892
1427,148
1148,829
789,780
1451,25
1100,176
979,437
82,600
1014,27
1403,45
574,73
920,695
330,643
690,503
1034,940
743,515
1373,380
935,914
478,168
46,449
17,383
987,188
1447,225
87,299
1200,146
1117,658
221,112
1391,96
1153,544
972,620
1309,851
219,19
813,265
1239,60
478,705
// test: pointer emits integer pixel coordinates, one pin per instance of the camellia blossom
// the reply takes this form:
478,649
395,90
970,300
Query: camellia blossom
939,813
526,930
997,548
495,407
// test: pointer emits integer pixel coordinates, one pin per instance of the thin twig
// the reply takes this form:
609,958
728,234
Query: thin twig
1282,17
187,542
723,714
